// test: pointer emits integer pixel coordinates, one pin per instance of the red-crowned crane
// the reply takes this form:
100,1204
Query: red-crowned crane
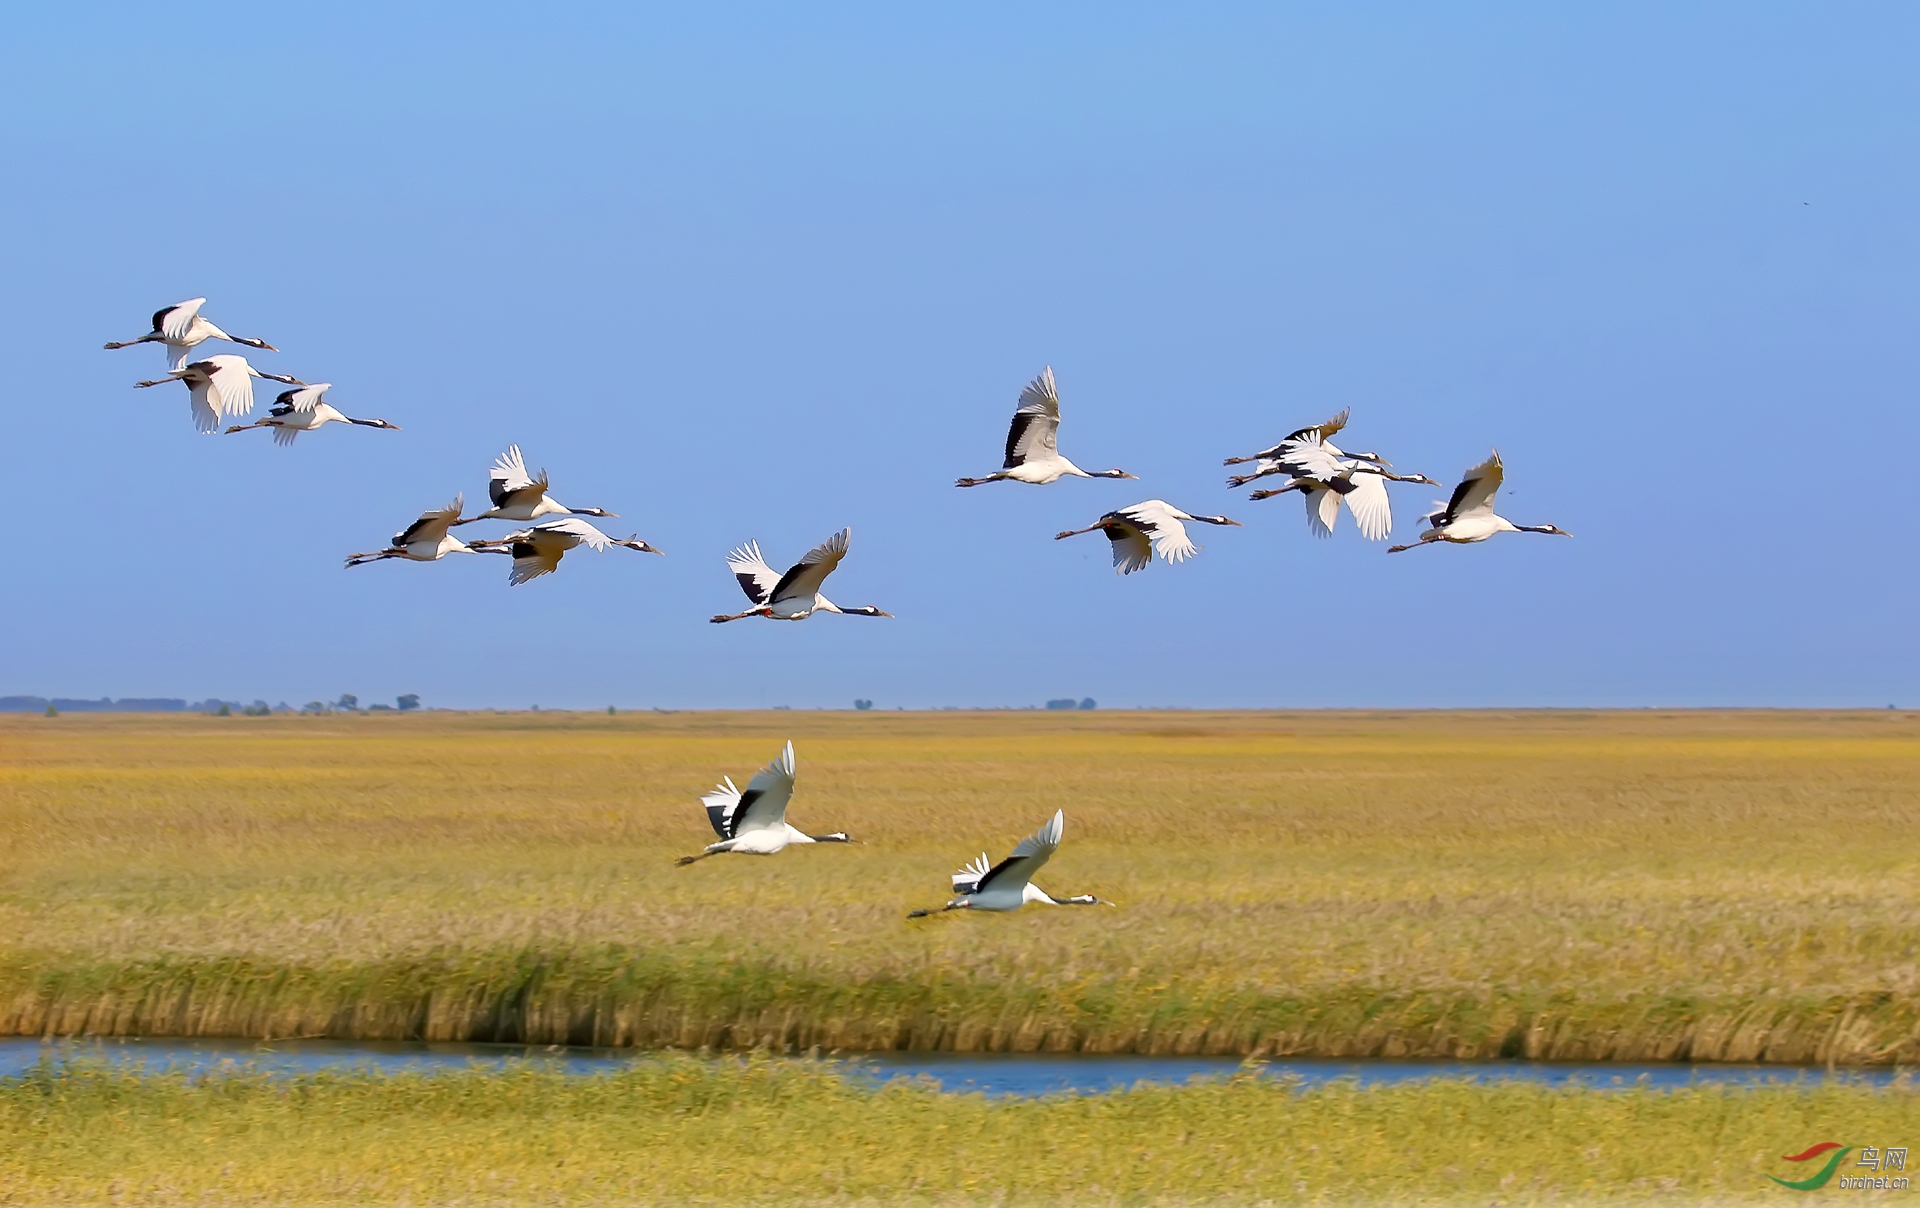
220,387
1009,885
303,410
537,551
425,540
794,596
754,823
1468,516
181,328
1141,531
517,495
1325,475
1033,441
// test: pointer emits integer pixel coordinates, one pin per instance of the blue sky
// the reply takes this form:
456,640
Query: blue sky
765,271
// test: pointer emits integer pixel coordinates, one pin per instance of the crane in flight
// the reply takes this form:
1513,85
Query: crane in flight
1145,529
794,596
1468,516
517,495
304,410
537,551
1009,885
1033,441
1326,476
754,823
219,387
425,540
181,328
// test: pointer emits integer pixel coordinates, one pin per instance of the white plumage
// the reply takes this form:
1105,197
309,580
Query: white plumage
794,596
1009,885
1325,475
537,551
1468,516
181,328
518,495
754,823
1033,441
219,387
304,410
1145,529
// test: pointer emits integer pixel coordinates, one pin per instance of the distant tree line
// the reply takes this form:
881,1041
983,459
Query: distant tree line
348,703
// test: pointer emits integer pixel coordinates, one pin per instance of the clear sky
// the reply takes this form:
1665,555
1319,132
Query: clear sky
764,271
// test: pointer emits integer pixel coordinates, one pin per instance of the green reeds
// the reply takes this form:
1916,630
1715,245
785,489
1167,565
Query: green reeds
614,998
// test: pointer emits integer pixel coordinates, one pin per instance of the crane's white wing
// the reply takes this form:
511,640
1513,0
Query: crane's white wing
303,400
1027,857
509,478
804,577
1160,521
572,526
173,322
1323,508
968,878
432,525
764,805
720,805
1367,500
1311,459
1476,491
231,391
202,400
756,578
1035,432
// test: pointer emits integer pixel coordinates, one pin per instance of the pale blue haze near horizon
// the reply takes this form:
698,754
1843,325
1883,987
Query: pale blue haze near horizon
765,271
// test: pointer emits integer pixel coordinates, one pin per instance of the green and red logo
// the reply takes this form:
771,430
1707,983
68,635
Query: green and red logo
1818,1179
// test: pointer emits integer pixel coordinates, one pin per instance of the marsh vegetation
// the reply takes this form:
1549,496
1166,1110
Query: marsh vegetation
1640,885
690,1130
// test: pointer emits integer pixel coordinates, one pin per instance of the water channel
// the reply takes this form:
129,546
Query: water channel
996,1074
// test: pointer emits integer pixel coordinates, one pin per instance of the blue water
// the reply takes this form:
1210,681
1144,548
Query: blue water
998,1074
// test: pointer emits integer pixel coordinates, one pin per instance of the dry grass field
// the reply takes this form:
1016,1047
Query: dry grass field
1716,885
692,1131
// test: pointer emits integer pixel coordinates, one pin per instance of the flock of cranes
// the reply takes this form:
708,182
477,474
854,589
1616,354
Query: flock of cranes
754,823
220,388
1325,475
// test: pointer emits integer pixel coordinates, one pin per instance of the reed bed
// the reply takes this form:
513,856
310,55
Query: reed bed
1630,885
683,1130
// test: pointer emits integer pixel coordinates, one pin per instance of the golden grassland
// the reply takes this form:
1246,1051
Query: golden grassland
1705,885
687,1130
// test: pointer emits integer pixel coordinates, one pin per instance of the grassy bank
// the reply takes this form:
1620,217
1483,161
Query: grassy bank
687,1130
1630,885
